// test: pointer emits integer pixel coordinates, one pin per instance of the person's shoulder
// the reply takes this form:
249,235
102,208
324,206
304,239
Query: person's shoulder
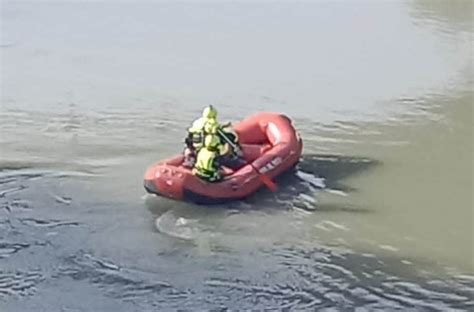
198,123
200,120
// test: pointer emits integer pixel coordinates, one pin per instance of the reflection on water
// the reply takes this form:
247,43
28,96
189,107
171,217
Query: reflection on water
377,215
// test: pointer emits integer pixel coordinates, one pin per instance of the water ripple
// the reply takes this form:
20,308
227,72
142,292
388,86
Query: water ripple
118,281
47,223
19,283
7,249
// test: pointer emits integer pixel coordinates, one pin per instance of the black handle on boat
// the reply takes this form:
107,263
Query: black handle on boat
265,179
232,144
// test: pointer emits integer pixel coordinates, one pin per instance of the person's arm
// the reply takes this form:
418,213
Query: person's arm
189,140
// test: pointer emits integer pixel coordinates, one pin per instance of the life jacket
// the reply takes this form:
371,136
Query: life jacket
199,129
206,166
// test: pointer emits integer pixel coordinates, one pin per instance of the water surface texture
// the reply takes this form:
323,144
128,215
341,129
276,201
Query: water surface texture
377,215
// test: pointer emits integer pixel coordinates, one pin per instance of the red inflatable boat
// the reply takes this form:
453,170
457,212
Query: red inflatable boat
270,145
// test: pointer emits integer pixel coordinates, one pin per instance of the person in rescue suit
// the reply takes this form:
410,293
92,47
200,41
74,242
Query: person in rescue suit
204,126
207,162
207,124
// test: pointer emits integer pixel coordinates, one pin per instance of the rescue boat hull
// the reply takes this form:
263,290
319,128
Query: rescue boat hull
270,144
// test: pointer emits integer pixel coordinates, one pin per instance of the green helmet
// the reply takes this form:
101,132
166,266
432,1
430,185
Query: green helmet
209,112
211,141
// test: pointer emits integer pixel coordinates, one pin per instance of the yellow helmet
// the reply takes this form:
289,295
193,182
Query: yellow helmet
211,141
209,112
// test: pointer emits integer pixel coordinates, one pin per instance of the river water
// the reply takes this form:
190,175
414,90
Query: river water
378,214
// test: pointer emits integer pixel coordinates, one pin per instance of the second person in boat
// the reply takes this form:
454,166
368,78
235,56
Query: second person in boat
206,125
207,165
